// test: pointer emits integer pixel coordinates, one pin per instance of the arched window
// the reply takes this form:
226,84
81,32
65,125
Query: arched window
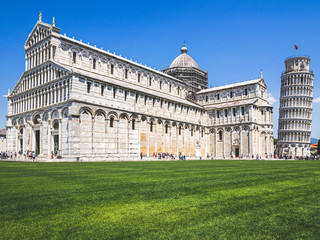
179,130
133,124
220,135
102,90
151,126
94,63
166,131
74,57
112,67
88,87
111,122
114,92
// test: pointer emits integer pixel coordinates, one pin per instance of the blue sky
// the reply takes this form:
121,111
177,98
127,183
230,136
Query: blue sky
233,40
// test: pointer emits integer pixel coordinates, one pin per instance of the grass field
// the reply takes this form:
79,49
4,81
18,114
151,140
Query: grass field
160,200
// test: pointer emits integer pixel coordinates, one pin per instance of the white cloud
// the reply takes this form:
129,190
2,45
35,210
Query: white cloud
316,100
270,99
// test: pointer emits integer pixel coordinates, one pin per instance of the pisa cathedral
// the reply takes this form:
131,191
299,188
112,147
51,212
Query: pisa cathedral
82,103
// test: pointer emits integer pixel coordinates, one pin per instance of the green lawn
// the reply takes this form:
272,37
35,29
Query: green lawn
160,200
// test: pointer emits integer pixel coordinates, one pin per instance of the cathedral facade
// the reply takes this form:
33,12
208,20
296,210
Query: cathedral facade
77,102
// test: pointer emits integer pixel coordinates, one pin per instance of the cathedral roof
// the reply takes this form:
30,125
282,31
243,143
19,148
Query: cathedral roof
230,86
184,60
255,101
123,84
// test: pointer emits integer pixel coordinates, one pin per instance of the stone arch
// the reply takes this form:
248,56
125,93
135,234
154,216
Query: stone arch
212,141
75,49
143,118
65,112
124,116
246,127
85,131
112,114
21,121
35,118
45,116
152,120
134,116
167,122
55,114
86,110
100,112
98,132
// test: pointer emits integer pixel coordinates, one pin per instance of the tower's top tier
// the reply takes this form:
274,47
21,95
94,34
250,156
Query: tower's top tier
297,64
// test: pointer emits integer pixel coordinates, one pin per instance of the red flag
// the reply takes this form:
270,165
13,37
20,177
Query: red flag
296,47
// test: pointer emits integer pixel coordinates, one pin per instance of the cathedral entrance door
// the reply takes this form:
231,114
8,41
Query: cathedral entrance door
237,152
37,135
21,145
56,144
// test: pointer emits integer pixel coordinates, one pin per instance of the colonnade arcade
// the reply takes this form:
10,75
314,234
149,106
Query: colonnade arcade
154,135
291,136
100,133
41,133
39,76
296,102
39,55
295,124
296,79
41,97
297,91
294,149
295,113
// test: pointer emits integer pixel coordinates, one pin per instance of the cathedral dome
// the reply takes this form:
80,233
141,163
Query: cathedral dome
184,60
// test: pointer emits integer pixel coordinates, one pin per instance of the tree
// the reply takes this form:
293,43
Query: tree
275,141
318,147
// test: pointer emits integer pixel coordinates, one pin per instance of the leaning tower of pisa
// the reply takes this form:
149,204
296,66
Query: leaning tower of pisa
294,130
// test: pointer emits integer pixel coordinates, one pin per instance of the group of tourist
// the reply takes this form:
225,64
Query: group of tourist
30,155
298,157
